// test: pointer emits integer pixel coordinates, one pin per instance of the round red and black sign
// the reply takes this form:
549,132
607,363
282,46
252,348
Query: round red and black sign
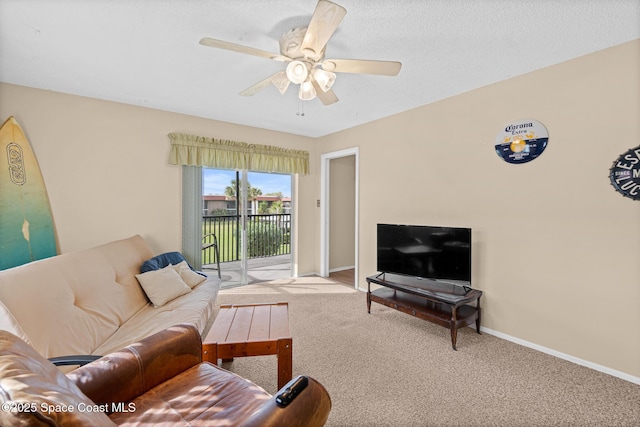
625,174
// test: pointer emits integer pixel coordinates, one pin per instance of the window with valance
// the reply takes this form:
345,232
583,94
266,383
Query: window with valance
195,152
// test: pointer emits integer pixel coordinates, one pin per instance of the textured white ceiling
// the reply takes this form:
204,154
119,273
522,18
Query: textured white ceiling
146,52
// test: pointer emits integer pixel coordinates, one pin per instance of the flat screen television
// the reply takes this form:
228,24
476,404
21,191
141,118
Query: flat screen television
438,253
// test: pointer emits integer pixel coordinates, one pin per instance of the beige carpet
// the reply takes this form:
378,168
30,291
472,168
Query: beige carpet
391,369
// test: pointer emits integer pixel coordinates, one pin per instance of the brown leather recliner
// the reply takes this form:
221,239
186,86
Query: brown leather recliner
160,379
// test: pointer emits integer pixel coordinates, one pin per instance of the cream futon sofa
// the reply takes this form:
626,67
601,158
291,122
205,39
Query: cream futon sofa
90,302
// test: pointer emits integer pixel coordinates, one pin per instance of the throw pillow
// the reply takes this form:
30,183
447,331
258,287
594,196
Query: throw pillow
190,277
162,286
161,261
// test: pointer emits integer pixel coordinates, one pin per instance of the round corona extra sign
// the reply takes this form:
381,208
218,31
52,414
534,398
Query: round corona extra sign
522,141
625,174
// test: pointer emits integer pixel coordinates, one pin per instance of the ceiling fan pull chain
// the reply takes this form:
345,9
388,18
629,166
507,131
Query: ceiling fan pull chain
300,108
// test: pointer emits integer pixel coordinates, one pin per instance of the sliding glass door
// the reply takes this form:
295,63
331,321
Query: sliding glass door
249,216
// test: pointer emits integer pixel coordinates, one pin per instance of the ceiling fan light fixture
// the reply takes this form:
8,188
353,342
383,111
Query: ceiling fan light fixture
302,50
307,91
297,72
324,78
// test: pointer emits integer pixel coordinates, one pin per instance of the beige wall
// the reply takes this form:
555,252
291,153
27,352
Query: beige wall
342,212
555,248
106,167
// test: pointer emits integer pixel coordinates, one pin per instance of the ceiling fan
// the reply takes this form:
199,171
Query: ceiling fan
304,48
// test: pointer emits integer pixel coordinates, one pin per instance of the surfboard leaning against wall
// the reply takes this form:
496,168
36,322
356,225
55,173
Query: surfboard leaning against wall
27,231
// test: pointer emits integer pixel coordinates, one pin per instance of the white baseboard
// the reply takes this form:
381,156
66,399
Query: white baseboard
567,357
312,273
333,270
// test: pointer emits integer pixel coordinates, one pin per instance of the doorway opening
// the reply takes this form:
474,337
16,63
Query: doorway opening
339,212
250,215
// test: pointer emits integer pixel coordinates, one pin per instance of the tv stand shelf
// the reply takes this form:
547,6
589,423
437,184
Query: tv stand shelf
445,304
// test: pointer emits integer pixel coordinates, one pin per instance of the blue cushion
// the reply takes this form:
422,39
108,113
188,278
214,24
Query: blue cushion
163,260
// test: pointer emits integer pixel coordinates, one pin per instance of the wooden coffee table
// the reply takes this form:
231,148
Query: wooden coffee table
251,330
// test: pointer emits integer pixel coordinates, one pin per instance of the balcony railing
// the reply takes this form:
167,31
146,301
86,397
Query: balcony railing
267,235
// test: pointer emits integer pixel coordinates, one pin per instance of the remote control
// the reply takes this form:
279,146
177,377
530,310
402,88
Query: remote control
290,393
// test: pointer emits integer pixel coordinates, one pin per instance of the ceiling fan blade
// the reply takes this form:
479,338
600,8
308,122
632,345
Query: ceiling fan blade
278,79
207,41
327,98
362,66
281,81
326,18
250,91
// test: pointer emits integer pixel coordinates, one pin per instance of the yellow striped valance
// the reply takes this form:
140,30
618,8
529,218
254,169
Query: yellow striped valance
224,154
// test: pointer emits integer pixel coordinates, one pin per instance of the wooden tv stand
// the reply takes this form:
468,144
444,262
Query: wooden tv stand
443,303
